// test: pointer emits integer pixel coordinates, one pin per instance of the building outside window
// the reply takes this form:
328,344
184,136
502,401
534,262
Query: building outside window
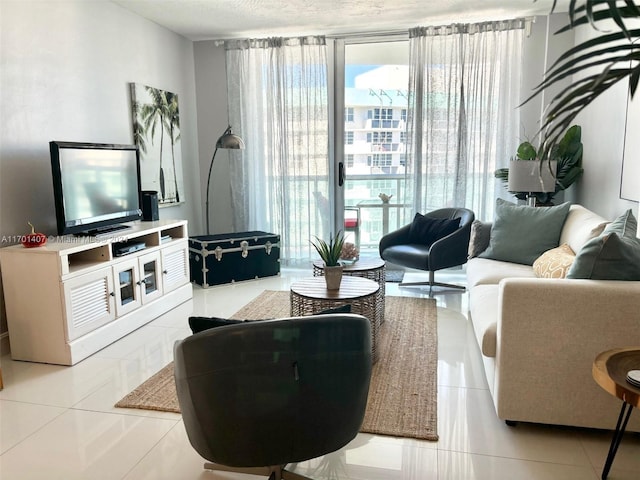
348,114
348,138
348,160
380,160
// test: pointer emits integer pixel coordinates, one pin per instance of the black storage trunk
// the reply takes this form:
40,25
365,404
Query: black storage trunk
231,257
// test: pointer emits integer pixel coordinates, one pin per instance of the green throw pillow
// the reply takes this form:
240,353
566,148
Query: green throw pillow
520,233
613,255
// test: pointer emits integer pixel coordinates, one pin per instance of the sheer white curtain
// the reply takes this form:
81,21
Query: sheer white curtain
464,89
277,90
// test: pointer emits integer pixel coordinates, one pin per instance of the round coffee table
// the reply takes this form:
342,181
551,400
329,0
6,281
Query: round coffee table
310,296
610,372
371,268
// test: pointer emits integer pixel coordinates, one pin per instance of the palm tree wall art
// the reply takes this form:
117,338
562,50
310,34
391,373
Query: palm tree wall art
156,131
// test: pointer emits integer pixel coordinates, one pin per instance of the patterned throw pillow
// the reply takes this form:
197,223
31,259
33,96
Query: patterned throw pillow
554,263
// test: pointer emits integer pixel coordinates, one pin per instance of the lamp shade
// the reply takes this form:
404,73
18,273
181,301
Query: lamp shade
229,140
526,176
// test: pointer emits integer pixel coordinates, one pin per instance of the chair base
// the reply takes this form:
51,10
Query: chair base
272,473
432,283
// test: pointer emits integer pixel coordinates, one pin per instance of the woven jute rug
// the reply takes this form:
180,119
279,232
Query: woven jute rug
403,393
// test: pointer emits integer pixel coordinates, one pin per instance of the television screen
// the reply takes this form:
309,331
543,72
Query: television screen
96,186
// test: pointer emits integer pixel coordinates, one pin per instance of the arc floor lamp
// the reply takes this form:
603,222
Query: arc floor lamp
228,140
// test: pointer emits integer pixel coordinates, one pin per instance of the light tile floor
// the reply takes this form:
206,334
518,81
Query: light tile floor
59,422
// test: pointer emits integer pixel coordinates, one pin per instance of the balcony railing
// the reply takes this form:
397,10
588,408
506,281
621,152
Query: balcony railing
376,217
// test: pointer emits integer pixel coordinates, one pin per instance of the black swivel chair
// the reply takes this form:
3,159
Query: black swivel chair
449,251
256,396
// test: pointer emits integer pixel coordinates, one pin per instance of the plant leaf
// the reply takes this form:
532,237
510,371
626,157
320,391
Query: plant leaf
604,50
329,251
526,151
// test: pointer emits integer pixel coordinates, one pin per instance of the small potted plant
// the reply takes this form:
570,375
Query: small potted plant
330,253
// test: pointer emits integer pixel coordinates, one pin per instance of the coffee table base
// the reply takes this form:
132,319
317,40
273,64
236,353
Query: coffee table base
310,296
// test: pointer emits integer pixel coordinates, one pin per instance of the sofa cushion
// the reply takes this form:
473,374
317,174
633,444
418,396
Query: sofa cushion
520,233
483,271
425,230
581,226
554,263
479,238
613,255
483,301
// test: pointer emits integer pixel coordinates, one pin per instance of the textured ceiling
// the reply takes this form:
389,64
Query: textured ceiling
222,19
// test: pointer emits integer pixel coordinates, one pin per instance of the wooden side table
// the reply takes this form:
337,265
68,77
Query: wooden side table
610,371
310,295
371,268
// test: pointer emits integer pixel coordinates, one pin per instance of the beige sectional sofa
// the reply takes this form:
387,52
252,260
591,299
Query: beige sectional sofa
539,336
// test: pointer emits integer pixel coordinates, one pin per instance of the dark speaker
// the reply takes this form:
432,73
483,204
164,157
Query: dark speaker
150,206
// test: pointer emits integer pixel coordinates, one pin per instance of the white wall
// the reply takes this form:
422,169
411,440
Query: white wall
211,91
65,69
65,74
603,127
541,49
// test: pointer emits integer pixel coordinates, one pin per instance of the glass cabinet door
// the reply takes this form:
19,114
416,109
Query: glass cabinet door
127,286
150,276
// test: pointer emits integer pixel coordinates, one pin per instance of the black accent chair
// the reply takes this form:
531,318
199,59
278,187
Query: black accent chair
449,251
256,396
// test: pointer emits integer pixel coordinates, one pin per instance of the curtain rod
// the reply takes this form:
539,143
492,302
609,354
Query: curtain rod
333,36
397,33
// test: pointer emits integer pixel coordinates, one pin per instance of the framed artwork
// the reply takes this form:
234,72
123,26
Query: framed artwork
630,184
156,132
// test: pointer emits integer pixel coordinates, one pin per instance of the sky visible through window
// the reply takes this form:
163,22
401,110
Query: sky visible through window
352,71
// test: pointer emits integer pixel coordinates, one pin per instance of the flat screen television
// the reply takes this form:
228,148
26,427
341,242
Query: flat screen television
96,186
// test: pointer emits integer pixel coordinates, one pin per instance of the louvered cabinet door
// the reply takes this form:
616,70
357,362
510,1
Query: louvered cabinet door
89,301
175,266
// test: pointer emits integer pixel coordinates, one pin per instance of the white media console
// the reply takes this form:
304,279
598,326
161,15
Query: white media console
76,295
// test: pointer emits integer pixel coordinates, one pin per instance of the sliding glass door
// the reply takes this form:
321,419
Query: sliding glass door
371,101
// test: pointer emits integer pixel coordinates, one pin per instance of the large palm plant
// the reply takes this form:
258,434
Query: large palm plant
612,56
